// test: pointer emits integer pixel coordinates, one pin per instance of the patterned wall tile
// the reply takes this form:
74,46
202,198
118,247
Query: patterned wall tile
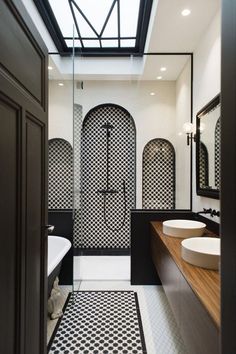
102,216
60,174
78,123
158,175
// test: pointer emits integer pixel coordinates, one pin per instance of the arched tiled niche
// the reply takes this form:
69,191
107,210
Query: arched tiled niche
203,166
217,154
95,233
60,174
158,175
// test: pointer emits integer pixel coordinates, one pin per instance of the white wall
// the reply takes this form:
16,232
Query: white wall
154,116
61,110
206,85
183,115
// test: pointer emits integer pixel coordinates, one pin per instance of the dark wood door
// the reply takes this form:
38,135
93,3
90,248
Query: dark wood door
228,178
23,183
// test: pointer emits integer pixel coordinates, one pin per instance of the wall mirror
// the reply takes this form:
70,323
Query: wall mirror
208,149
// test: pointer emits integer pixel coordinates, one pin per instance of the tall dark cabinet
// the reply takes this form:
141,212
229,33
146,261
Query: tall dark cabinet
23,182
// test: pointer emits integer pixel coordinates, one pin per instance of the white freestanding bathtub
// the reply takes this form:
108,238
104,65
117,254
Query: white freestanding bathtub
57,249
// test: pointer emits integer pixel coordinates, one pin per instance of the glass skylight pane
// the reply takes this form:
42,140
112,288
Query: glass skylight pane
91,43
110,43
96,11
111,29
129,11
127,43
63,16
84,28
69,43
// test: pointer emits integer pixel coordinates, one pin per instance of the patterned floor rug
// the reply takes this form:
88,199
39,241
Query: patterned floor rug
99,322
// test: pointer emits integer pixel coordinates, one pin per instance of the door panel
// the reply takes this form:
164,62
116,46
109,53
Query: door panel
34,232
23,183
29,72
9,116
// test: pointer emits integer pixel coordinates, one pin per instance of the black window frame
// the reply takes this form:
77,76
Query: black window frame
52,25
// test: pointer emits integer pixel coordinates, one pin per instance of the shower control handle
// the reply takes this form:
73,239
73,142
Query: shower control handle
50,228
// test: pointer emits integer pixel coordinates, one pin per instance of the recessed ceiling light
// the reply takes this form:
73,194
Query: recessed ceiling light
185,12
50,68
159,77
163,68
152,93
60,84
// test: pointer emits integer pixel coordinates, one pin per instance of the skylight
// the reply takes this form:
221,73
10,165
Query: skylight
100,26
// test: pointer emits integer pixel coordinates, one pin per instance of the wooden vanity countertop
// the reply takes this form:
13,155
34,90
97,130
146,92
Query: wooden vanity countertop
204,283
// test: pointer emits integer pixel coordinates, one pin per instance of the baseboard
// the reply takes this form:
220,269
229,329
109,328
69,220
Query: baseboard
101,251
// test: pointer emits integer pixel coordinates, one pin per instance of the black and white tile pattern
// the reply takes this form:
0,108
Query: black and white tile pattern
60,174
217,154
203,166
158,175
100,322
78,123
95,233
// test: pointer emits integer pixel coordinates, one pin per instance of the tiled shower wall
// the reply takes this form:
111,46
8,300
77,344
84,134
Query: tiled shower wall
105,221
98,221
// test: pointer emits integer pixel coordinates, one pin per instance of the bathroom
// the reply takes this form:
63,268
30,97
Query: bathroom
133,139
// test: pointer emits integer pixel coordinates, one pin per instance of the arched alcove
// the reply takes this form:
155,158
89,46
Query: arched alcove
102,220
60,174
158,175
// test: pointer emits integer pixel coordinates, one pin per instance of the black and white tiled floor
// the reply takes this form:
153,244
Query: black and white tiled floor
160,330
100,322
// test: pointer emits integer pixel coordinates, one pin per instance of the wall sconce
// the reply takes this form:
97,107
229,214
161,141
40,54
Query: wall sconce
189,130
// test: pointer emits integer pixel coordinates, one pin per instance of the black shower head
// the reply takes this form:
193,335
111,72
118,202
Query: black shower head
107,126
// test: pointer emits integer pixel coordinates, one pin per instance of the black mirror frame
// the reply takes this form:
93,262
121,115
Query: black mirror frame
206,192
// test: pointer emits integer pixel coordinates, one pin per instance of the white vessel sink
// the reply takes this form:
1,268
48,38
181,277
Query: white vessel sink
183,228
202,252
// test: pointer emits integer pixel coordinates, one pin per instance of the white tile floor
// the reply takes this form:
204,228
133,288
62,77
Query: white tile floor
161,332
102,268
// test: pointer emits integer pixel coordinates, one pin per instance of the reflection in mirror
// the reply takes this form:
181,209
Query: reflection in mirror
203,166
208,149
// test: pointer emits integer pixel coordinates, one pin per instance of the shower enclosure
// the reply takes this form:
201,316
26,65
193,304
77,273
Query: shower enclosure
107,185
115,145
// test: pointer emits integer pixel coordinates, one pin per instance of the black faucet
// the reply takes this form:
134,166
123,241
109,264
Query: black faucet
215,213
204,211
209,211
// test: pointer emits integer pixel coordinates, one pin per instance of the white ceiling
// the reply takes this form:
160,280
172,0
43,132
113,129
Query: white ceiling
172,32
174,64
128,69
168,32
